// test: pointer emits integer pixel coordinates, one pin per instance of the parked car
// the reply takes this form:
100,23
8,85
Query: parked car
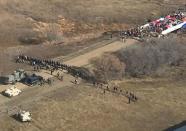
32,80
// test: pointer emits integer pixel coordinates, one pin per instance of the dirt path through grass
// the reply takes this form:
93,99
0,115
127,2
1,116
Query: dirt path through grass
84,59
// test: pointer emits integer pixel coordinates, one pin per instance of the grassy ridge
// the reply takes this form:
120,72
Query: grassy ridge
87,14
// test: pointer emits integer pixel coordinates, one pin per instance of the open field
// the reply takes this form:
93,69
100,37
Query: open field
65,106
82,108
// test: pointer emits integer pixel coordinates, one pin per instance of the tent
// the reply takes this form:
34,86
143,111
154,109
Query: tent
169,30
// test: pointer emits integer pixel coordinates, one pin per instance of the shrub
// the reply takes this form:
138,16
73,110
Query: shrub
30,38
108,67
148,57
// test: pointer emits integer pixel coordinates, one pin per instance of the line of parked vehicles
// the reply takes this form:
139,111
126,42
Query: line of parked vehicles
21,76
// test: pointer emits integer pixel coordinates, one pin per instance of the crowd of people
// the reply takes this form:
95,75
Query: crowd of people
56,66
154,27
41,63
166,22
52,66
48,81
116,90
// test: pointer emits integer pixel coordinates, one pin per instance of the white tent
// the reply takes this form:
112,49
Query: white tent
173,28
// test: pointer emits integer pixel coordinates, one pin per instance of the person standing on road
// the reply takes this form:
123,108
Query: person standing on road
107,88
129,99
51,72
75,81
104,91
49,81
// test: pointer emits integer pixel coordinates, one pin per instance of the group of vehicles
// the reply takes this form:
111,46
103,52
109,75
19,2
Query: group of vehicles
16,76
23,116
19,76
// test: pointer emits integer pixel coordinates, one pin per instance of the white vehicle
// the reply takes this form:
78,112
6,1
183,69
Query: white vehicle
24,116
13,91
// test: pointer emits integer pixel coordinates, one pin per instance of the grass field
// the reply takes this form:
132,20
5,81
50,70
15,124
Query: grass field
161,105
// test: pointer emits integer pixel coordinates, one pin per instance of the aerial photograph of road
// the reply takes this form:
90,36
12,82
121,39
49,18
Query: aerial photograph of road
92,65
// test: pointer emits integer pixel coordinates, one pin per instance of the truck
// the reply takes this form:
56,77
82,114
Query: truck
17,76
11,92
32,80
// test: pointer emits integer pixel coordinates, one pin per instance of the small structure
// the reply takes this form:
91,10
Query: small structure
23,116
13,91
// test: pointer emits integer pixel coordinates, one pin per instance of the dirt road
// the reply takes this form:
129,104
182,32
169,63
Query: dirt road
33,95
83,59
65,106
78,60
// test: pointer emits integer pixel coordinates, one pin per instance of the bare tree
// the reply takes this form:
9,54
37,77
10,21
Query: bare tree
108,67
146,58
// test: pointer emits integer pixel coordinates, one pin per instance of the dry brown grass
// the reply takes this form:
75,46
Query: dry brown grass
88,16
161,104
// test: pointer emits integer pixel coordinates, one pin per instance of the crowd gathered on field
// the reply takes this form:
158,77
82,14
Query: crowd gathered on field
54,66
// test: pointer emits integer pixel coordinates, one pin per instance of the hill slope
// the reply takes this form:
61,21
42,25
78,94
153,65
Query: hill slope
25,21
